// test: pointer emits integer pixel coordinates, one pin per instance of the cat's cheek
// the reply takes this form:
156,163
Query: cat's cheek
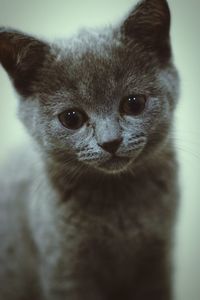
160,116
153,106
133,127
154,113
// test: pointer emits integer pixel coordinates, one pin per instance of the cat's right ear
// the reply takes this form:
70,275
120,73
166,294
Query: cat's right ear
22,56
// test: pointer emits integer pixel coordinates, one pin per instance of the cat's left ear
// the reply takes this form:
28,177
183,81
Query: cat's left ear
22,56
149,24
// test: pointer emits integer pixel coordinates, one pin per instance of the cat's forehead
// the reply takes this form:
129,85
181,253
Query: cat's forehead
92,58
96,69
103,55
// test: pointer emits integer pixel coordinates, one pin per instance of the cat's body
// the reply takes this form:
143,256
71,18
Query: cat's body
102,237
84,225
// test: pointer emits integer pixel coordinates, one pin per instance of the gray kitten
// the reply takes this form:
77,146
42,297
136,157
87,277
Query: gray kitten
88,207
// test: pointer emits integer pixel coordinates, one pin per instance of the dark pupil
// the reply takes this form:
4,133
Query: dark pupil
72,119
134,105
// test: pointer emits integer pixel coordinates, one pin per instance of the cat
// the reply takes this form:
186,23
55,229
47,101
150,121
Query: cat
88,206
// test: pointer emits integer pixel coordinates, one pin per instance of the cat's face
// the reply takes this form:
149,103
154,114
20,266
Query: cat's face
106,98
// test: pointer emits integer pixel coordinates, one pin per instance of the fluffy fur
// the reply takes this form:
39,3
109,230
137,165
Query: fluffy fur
75,224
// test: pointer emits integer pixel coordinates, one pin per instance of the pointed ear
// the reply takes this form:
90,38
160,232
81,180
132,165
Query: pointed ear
149,23
22,56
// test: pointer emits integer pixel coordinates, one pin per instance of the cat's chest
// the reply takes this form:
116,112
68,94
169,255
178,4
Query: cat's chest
122,210
108,241
104,230
118,221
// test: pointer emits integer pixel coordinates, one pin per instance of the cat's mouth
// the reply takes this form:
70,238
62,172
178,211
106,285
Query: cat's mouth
115,164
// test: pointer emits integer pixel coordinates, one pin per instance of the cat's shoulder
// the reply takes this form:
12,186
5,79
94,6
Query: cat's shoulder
19,168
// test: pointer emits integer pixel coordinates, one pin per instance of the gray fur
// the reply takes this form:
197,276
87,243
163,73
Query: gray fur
72,224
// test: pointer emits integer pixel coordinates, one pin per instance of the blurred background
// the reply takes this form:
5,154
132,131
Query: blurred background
60,18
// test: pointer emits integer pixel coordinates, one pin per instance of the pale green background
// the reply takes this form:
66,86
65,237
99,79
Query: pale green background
60,18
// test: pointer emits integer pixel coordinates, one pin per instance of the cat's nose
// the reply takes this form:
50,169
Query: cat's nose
111,146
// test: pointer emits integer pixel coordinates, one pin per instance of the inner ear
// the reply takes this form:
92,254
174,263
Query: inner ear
149,24
22,56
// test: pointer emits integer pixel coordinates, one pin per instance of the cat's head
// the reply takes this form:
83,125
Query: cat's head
103,99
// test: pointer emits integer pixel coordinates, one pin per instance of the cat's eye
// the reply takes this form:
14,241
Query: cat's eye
133,105
73,118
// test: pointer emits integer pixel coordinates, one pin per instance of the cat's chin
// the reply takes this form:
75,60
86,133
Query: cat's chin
114,165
